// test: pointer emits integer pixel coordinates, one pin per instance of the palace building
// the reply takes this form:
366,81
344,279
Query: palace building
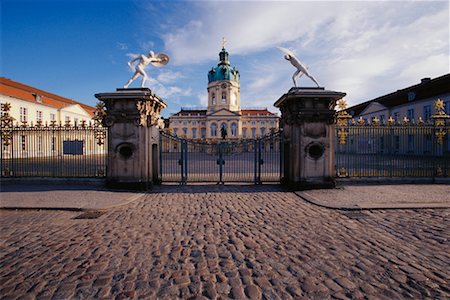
223,111
30,105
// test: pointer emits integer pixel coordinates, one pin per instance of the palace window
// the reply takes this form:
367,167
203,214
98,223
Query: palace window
175,130
426,112
253,133
23,114
224,98
39,116
203,132
244,133
185,131
411,114
233,129
52,117
194,133
213,99
263,131
213,129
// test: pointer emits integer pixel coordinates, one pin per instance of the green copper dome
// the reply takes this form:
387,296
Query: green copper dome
223,71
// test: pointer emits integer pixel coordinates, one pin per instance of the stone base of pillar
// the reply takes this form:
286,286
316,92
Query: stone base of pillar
307,119
133,137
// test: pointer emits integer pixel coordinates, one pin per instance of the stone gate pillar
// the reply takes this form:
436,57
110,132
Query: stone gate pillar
132,117
307,119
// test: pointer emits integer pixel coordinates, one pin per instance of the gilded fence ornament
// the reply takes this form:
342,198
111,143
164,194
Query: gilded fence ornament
420,121
342,119
405,121
391,121
342,134
440,118
342,172
99,113
6,124
360,121
376,121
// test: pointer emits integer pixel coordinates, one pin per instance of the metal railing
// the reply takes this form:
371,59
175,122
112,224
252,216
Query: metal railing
396,148
78,150
255,160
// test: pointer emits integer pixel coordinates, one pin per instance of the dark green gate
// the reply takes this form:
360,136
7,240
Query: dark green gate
256,160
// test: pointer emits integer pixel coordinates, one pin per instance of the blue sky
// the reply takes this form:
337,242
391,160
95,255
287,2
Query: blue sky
364,48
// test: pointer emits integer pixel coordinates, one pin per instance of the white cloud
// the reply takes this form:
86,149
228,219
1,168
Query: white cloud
168,76
203,98
167,93
122,46
365,48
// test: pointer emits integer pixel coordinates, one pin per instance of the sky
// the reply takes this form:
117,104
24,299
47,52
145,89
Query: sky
363,48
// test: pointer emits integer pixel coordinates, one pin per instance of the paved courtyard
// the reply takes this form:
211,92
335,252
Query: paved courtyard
225,242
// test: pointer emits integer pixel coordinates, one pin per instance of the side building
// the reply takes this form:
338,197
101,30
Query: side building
224,110
412,102
30,105
45,125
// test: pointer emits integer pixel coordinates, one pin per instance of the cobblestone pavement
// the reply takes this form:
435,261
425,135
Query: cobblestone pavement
225,242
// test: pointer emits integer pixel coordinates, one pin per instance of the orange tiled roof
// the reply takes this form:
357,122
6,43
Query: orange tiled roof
24,92
254,112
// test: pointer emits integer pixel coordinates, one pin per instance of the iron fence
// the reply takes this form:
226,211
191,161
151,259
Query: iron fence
396,148
77,150
255,160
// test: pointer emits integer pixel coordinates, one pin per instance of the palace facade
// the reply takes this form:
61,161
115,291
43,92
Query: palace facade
224,112
411,102
30,105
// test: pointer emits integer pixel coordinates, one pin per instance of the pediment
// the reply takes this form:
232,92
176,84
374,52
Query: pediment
223,112
75,108
373,107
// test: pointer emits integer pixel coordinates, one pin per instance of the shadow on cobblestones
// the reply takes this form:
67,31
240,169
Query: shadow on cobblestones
219,188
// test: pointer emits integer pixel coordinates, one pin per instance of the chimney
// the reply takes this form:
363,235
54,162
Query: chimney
425,80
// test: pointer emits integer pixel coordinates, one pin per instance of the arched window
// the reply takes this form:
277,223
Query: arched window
263,131
224,98
244,133
253,133
185,131
224,126
175,130
194,133
213,129
233,129
213,99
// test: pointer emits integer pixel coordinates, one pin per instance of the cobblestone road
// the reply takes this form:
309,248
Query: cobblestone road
237,243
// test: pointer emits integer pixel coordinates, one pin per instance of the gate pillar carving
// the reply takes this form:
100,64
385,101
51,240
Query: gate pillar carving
307,119
132,117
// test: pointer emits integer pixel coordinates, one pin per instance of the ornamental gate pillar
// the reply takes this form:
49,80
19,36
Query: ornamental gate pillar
132,117
307,119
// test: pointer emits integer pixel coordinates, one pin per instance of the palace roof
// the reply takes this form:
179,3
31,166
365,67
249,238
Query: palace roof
427,88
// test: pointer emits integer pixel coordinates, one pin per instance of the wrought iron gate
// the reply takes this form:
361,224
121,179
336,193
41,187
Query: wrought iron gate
256,160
